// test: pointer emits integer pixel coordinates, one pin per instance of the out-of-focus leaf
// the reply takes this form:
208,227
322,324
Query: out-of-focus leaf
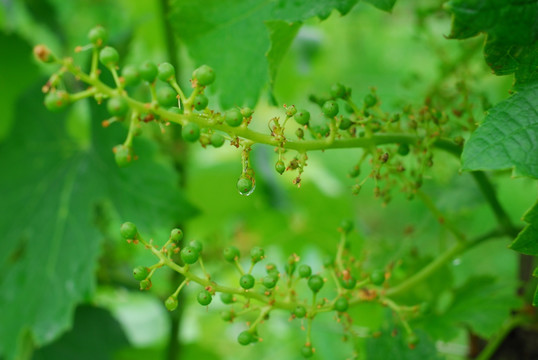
527,240
385,5
281,34
508,137
95,335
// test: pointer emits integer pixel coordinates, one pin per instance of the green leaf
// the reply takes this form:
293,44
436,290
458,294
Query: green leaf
527,240
95,335
50,246
535,300
385,5
231,36
281,34
511,32
508,137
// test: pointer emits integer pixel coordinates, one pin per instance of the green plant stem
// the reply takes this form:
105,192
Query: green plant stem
498,338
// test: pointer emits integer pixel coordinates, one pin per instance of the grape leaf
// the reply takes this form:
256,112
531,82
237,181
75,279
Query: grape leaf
50,245
511,30
385,5
527,240
231,36
95,335
481,303
508,137
281,34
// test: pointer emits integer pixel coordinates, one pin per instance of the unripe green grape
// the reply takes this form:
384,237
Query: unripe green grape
321,130
148,71
130,75
166,96
247,281
204,298
246,112
341,304
348,283
196,245
338,91
270,281
244,185
191,132
345,123
189,255
57,100
299,133
145,284
328,261
412,340
403,149
227,315
302,117
140,273
166,71
176,235
200,102
330,108
227,298
233,117
98,36
128,230
300,311
204,75
231,253
377,277
355,171
280,167
109,56
307,351
117,106
245,338
315,283
217,140
304,271
370,100
271,269
122,155
256,254
346,226
171,303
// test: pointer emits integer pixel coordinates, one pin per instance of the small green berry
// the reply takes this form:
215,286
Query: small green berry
231,253
227,315
204,75
299,133
166,96
348,283
370,100
109,56
271,269
128,230
140,273
198,246
355,171
315,283
330,108
300,311
189,255
117,106
98,36
345,123
302,117
122,155
145,284
256,254
247,112
217,140
227,298
280,167
307,351
377,277
247,281
200,102
233,117
328,261
166,71
171,303
341,304
204,297
57,100
176,235
346,226
245,338
148,71
270,281
304,271
245,185
403,149
130,75
191,132
338,91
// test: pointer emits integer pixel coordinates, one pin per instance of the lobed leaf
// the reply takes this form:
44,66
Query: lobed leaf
527,240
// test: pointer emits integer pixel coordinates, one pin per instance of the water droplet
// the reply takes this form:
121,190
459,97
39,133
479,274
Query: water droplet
245,186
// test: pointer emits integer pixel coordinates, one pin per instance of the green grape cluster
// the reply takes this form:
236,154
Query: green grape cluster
294,288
